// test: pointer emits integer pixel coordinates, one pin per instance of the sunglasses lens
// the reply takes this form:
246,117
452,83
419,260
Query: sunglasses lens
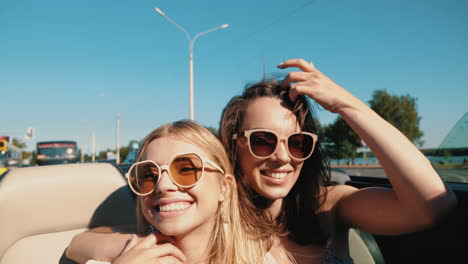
143,177
300,145
186,170
263,143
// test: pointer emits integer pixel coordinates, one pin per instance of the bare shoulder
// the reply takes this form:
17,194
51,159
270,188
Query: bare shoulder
333,194
328,212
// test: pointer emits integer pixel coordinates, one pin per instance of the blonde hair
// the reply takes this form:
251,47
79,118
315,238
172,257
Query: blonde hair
236,241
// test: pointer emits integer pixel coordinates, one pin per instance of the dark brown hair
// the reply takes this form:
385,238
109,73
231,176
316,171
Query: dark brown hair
298,216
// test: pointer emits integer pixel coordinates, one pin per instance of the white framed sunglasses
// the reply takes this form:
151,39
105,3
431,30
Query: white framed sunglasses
263,143
184,170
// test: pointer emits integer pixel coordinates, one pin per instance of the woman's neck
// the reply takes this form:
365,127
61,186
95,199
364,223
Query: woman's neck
194,245
275,208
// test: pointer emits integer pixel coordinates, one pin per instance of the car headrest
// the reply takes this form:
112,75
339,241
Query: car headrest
51,199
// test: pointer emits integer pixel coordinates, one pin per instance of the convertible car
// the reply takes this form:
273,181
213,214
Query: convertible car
42,208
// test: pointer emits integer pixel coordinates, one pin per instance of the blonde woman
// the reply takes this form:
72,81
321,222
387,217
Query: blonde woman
186,191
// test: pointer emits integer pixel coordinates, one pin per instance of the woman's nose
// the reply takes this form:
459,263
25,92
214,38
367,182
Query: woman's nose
165,183
281,153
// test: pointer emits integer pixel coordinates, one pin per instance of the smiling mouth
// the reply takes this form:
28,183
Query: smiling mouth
274,175
172,207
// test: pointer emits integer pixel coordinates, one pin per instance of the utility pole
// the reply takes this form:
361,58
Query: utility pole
117,147
93,147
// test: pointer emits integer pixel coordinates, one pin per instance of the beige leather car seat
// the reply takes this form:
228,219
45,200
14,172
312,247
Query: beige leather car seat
363,248
42,208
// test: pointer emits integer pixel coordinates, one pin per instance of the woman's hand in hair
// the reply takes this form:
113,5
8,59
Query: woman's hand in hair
313,83
152,249
418,198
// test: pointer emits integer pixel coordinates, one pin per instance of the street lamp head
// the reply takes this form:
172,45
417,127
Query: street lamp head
159,11
224,26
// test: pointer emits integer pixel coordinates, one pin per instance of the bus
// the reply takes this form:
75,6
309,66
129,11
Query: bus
56,152
10,155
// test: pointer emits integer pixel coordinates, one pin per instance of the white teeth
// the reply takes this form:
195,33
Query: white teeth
277,175
173,206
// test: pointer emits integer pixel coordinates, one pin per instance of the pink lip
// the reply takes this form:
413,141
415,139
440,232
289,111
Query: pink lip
274,181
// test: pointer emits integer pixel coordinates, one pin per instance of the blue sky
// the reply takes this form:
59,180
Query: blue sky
67,67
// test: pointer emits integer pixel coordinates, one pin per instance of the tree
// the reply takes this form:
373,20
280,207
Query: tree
212,130
102,155
24,154
17,142
87,157
399,111
125,150
341,142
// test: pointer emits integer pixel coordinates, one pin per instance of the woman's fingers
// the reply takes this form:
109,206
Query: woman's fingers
149,241
161,238
159,247
298,77
154,239
299,63
131,243
165,250
168,260
298,89
314,84
147,251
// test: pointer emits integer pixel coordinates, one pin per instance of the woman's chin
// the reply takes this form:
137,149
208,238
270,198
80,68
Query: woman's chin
171,230
274,193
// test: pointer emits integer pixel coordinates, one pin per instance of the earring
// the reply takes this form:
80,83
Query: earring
225,217
150,229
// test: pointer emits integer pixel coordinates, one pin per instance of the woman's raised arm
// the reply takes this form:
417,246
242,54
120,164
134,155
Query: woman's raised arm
419,196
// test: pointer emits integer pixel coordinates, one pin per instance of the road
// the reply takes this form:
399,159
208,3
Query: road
450,175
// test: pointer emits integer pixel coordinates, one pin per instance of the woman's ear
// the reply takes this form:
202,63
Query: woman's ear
226,186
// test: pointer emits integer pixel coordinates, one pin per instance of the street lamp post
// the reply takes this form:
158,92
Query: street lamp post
93,147
191,44
117,144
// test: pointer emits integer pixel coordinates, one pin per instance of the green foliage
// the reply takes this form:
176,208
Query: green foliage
341,142
399,111
87,157
447,154
125,150
212,130
445,151
26,155
102,155
20,144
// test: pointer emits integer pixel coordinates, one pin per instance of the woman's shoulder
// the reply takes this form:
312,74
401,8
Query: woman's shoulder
332,195
328,215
